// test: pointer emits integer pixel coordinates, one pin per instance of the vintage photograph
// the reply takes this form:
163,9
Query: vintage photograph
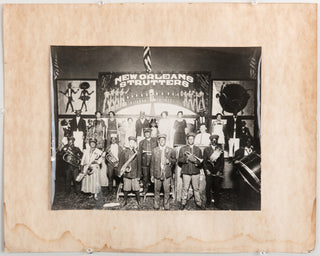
156,128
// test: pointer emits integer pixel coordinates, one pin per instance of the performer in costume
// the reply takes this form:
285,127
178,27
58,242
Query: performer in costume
99,130
133,173
213,164
112,160
68,93
180,130
189,159
154,129
112,126
218,129
145,152
164,126
141,123
71,171
79,129
85,94
130,131
161,170
92,158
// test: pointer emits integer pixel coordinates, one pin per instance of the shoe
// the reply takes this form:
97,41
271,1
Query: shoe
182,207
95,197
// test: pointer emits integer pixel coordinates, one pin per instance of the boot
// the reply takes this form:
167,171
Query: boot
125,193
138,197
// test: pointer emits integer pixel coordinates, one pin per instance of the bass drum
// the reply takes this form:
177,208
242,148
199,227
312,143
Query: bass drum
249,168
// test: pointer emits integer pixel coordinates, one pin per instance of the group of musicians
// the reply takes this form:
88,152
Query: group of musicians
151,161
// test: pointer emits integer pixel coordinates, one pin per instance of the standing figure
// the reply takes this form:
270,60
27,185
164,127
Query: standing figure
68,93
202,138
164,126
244,134
213,164
112,159
233,128
112,99
65,125
117,98
91,160
180,130
79,129
218,129
161,170
132,174
145,152
196,100
151,95
130,130
201,106
189,159
154,129
106,102
141,123
185,99
112,126
122,97
71,154
99,130
85,94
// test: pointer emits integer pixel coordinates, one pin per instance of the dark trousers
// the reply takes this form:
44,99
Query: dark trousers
71,175
213,183
166,189
112,174
146,178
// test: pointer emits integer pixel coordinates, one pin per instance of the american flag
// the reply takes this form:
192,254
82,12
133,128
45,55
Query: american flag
147,58
56,69
253,65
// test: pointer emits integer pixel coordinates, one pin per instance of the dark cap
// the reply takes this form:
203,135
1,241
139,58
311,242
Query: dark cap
132,138
93,140
146,130
214,137
162,135
71,138
191,134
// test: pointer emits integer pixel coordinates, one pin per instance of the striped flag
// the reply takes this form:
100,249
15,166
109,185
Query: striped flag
147,59
56,69
253,65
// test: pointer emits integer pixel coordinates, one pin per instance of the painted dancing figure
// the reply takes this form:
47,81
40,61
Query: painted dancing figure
106,102
68,93
85,95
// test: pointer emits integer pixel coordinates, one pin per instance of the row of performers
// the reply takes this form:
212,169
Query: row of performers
175,130
153,162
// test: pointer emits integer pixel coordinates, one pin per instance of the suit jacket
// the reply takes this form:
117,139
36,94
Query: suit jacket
146,157
155,170
186,166
81,126
140,126
218,166
135,171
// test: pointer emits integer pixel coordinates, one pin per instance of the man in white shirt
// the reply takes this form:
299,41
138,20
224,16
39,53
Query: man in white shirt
203,138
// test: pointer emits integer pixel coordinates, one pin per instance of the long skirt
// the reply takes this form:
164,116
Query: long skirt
91,183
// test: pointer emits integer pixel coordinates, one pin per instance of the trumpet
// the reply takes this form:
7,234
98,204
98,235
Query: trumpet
71,158
188,154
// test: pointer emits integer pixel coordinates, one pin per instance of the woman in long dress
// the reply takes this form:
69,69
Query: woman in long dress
218,126
92,158
112,127
130,130
164,127
99,130
180,130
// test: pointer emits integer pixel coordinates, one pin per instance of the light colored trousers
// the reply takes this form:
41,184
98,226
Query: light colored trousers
195,181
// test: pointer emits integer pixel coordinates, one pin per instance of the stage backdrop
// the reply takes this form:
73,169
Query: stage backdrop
190,90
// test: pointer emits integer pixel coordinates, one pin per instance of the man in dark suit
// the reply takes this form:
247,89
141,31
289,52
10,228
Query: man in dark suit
78,124
141,123
213,164
145,152
190,157
72,158
114,152
162,162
